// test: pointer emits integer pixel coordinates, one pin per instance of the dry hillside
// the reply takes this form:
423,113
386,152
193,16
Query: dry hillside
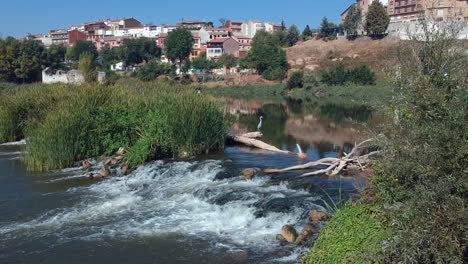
319,54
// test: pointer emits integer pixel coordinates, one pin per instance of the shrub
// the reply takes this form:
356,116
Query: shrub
296,80
361,75
87,66
153,70
274,74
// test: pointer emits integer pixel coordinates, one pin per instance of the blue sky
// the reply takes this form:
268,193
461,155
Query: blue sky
20,17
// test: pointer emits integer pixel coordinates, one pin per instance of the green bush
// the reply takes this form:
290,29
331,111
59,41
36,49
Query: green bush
361,75
423,176
274,74
355,234
296,80
153,70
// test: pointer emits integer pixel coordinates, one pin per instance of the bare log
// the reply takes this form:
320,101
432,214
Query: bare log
259,144
252,135
335,165
325,161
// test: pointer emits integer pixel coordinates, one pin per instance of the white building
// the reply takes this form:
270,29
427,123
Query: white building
250,28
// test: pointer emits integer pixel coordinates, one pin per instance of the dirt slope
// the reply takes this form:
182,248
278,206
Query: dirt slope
318,54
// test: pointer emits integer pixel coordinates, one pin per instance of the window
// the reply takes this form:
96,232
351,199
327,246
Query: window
440,12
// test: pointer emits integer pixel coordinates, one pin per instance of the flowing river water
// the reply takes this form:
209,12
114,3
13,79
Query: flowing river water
190,211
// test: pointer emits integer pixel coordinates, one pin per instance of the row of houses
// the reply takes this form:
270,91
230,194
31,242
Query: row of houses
233,38
411,10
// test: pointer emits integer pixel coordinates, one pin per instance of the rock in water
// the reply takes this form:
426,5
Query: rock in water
280,237
289,233
302,237
317,216
86,165
104,172
248,174
125,169
310,228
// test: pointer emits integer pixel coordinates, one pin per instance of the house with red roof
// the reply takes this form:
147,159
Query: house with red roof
219,46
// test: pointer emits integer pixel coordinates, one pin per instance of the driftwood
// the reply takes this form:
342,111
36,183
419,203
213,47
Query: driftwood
334,165
249,139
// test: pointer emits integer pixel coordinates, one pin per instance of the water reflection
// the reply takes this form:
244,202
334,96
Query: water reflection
322,130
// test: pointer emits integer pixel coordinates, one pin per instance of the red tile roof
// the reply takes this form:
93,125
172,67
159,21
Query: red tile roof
218,40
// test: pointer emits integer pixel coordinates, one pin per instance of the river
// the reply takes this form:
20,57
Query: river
182,211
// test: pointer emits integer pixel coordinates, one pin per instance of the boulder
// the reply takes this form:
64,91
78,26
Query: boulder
289,233
280,237
248,174
302,237
104,172
317,216
125,169
310,228
108,162
86,165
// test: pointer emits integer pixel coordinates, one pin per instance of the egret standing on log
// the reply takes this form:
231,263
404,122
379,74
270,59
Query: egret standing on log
260,124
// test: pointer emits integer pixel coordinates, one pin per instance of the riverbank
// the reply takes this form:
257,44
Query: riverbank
376,96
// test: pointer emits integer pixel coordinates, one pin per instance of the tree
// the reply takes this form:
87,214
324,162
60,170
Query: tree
109,55
353,20
283,25
377,19
178,45
222,21
9,51
296,80
266,56
325,30
81,47
307,32
293,35
55,56
201,63
228,61
87,66
30,62
135,51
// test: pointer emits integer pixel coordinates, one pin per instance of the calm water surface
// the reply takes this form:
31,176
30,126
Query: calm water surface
192,211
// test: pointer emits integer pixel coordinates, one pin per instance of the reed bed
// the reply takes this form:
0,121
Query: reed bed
64,123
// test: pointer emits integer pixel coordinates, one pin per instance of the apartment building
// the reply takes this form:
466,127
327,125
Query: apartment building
59,36
220,46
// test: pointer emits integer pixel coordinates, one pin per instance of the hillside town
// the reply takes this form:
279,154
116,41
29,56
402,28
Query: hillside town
234,37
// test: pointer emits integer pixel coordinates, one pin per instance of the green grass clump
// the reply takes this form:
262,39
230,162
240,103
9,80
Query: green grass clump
70,123
272,92
355,234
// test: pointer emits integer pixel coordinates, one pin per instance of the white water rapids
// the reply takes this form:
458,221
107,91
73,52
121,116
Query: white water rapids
162,199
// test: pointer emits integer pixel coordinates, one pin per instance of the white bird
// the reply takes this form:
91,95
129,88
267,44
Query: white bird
260,124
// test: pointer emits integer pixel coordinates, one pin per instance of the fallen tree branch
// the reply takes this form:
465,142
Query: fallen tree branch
335,165
259,144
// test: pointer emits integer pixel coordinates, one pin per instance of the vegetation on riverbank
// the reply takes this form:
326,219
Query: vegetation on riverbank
66,123
354,235
420,180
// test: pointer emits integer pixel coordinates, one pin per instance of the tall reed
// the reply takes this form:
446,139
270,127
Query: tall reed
69,123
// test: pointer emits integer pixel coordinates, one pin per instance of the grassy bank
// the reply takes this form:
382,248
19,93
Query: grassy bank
354,235
151,120
371,95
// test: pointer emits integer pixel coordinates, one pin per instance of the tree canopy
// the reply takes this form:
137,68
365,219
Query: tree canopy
377,19
178,45
353,20
80,47
307,32
201,63
293,35
266,56
227,60
135,51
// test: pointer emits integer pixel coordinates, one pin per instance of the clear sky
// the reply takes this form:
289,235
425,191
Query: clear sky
20,17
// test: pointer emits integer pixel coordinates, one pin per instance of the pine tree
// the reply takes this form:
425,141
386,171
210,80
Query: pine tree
307,32
353,20
293,35
283,25
325,28
377,19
